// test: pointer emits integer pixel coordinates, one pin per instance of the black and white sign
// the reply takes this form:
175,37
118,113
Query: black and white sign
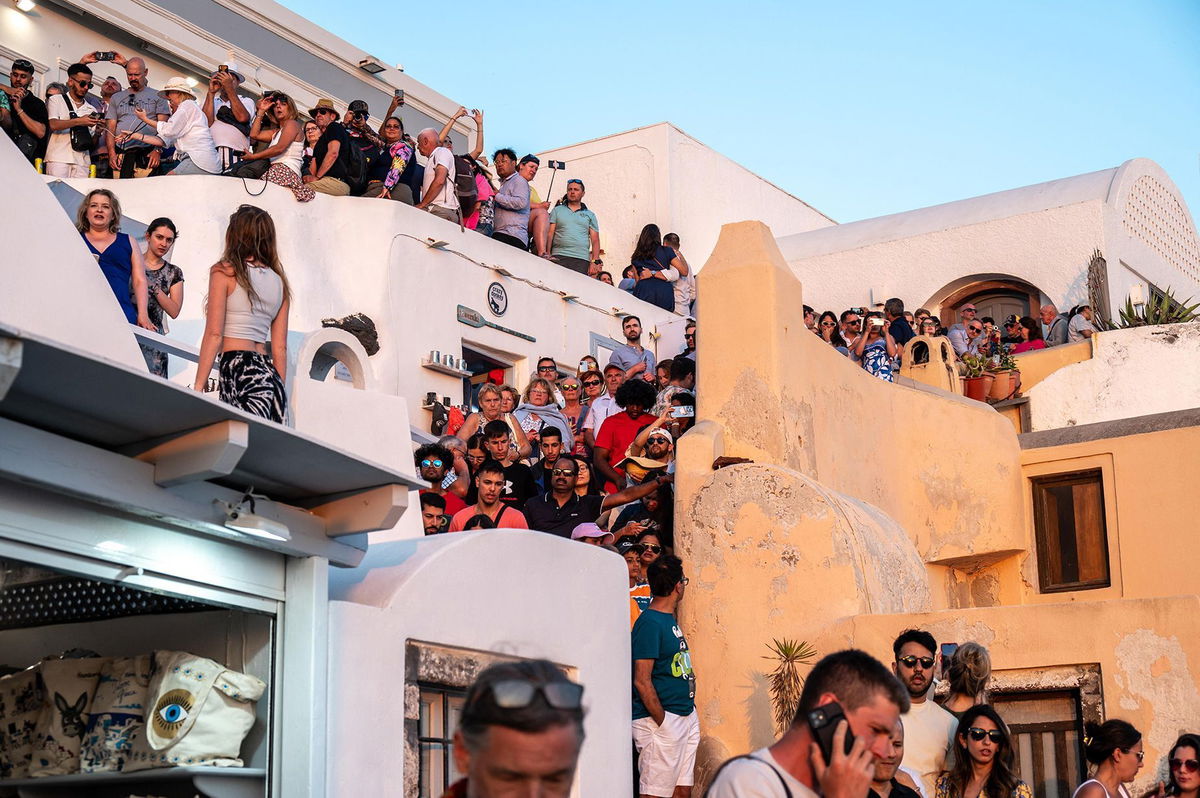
497,299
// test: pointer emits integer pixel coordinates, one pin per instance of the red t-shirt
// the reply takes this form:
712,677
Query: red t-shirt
615,435
508,518
454,503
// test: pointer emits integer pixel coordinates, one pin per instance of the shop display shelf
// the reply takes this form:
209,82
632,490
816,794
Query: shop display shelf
209,782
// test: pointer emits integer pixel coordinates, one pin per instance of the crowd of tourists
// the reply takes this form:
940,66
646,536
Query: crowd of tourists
876,339
188,129
861,730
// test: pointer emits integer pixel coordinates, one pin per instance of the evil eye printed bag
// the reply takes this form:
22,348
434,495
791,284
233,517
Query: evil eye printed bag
198,712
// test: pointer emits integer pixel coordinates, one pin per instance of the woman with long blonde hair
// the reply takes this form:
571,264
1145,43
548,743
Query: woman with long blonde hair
247,307
99,223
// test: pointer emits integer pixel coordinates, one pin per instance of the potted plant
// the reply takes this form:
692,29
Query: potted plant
1007,379
976,379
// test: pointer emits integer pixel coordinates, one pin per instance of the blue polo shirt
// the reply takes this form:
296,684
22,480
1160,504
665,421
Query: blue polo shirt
572,231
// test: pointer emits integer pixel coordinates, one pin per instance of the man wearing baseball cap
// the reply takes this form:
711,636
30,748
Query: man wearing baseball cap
958,332
1012,331
26,121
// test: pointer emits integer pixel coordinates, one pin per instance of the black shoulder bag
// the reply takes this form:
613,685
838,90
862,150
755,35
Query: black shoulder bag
82,139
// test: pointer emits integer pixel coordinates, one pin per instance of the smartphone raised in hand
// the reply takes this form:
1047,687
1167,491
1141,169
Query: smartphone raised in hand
823,721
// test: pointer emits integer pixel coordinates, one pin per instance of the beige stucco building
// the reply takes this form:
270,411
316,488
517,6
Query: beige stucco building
871,507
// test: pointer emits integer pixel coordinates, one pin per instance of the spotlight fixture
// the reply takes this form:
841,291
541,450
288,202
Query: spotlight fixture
242,518
26,5
370,65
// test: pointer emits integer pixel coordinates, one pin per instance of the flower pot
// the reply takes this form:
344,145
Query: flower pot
977,387
1003,386
1016,387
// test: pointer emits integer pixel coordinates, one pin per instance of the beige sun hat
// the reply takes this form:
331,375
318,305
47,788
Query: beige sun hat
177,84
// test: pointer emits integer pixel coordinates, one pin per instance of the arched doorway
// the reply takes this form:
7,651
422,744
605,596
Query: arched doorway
997,296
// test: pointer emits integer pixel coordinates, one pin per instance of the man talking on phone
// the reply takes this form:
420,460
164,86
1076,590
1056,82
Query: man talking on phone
849,695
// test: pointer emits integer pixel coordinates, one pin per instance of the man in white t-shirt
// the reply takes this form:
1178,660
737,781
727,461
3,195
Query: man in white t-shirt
63,160
928,729
227,126
437,188
795,765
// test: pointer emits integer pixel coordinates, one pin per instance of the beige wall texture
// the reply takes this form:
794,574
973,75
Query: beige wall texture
851,523
846,500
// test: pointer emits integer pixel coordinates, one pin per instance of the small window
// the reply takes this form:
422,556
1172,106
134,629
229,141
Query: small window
1072,542
440,711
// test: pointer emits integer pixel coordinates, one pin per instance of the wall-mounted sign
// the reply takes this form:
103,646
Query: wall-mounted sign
497,299
473,318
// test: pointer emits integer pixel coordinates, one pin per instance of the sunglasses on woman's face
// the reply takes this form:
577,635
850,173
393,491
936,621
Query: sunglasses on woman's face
977,734
652,548
591,383
570,387
1188,765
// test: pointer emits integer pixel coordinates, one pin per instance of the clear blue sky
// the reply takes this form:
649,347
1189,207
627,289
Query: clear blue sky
859,109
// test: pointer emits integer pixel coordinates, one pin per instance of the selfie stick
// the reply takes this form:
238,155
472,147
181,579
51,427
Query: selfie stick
554,167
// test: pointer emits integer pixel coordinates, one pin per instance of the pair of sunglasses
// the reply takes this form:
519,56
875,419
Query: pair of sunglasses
911,661
652,548
517,694
977,734
563,472
431,463
1189,765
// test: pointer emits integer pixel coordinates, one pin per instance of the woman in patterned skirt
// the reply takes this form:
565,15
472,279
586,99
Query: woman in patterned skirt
164,287
247,307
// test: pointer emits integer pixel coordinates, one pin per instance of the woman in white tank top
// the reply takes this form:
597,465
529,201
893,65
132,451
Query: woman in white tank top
246,318
1114,748
286,148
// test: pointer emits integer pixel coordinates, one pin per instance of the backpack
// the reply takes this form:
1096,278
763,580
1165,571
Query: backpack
464,183
356,168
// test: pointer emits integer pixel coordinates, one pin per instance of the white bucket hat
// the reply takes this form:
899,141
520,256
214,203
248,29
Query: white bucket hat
234,70
177,84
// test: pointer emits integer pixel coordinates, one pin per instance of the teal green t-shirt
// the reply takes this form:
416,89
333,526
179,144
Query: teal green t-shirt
572,232
657,636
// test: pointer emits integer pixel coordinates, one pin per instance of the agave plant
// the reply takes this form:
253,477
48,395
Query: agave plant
1161,309
786,681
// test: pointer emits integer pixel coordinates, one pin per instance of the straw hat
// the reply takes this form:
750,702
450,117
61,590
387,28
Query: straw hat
323,104
233,69
177,84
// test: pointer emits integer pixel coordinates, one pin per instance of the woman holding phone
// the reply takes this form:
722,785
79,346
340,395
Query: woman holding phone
876,348
984,760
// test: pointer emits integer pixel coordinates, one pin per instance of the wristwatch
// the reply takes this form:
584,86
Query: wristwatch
598,262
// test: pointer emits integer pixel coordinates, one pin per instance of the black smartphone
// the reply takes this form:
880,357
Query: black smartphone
823,721
400,95
105,55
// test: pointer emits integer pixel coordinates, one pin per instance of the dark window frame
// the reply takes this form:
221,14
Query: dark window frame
445,692
1045,538
1054,728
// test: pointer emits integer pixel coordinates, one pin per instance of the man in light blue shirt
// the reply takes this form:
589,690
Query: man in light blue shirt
574,233
512,202
633,357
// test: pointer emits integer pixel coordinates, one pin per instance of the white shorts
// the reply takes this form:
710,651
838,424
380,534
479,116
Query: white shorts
60,169
666,753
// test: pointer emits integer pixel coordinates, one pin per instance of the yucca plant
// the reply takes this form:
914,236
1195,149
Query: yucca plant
786,681
1161,309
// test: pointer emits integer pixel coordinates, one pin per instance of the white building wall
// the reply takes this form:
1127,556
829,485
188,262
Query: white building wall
1134,372
1043,234
662,175
539,597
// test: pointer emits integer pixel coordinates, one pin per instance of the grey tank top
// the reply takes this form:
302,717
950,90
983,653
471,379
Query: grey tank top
253,322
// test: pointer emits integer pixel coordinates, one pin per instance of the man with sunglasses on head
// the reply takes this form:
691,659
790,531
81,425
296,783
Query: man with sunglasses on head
520,733
929,729
436,464
68,112
27,122
666,727
560,509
